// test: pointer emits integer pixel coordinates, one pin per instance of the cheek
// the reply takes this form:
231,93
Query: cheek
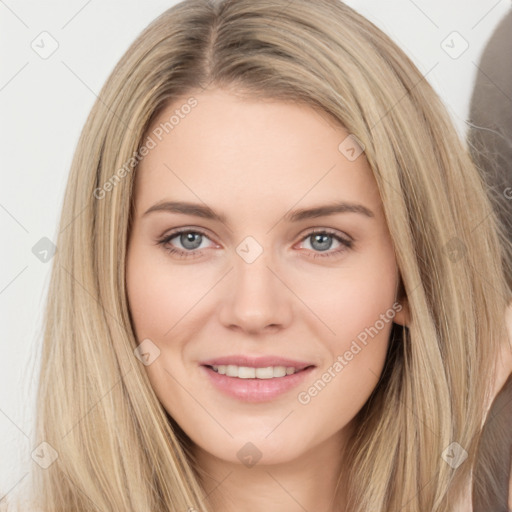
159,294
362,319
350,298
148,298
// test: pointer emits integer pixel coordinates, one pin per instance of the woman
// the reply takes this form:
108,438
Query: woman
265,367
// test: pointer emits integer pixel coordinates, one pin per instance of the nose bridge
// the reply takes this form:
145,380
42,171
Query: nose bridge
258,298
252,274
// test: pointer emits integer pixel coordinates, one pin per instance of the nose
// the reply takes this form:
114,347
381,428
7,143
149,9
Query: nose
257,297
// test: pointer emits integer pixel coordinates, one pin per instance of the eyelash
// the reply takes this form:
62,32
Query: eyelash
346,243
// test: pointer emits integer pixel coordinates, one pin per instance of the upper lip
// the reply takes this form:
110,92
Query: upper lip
256,362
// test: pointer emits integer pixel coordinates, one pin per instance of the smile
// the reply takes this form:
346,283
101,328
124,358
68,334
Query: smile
248,372
250,384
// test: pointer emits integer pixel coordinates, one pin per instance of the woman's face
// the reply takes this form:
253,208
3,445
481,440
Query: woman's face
265,267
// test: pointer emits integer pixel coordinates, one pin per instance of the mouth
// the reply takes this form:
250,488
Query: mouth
252,372
255,384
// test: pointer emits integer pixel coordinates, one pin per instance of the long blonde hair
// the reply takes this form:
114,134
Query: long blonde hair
117,447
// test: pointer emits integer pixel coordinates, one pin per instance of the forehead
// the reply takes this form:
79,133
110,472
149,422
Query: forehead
254,153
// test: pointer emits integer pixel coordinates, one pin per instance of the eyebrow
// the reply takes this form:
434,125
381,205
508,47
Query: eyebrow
200,210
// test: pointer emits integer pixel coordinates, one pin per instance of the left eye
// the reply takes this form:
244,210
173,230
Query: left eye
322,240
191,240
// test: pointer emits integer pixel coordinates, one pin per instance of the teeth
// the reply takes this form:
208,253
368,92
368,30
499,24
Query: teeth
246,372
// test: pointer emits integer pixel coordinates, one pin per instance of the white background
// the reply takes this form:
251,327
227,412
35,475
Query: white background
44,104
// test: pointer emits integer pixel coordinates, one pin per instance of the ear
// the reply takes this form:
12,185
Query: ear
402,314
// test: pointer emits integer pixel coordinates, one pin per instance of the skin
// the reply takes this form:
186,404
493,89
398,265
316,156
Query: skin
254,161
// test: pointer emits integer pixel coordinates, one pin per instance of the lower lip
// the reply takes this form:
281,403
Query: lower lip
256,390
